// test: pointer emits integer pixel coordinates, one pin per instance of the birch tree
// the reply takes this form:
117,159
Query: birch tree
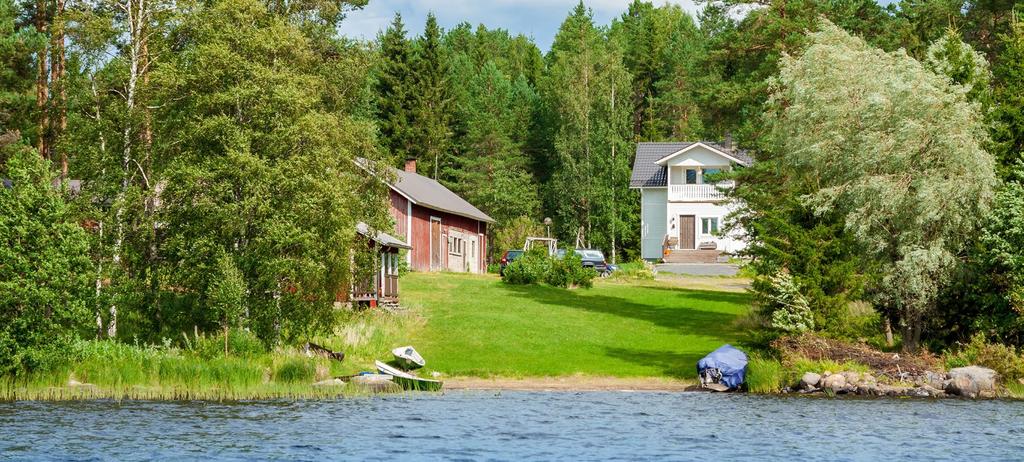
585,98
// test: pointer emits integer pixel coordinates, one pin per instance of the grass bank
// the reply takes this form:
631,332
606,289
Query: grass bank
473,329
477,326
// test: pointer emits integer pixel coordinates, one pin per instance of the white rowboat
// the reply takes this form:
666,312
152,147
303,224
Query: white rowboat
408,358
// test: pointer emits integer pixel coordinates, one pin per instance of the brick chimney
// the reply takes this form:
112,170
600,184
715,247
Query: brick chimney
410,165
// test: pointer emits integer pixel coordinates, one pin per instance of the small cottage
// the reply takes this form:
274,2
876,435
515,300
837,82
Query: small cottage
381,288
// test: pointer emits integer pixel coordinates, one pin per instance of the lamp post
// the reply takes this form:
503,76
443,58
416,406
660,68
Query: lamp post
547,225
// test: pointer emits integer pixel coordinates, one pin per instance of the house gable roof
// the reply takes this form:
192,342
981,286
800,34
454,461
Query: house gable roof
431,194
648,173
428,193
720,150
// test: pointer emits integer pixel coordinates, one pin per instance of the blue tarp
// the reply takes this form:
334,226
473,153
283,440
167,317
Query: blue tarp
731,362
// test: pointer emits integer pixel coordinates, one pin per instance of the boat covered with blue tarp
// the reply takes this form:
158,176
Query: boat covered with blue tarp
723,369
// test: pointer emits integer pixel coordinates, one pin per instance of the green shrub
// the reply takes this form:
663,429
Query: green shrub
536,266
45,270
295,370
636,269
523,271
764,375
783,303
241,343
560,274
530,268
583,277
1001,358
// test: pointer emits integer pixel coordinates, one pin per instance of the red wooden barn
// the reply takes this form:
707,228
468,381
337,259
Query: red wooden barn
446,232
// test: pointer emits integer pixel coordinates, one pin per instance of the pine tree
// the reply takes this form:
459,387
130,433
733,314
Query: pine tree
394,89
16,72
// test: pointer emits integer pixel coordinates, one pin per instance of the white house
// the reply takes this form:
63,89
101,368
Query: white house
683,209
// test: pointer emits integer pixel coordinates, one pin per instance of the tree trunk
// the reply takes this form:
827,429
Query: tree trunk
42,90
135,11
58,72
888,332
911,336
614,204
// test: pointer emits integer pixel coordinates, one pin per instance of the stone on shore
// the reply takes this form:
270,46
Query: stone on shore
834,382
971,382
809,381
330,383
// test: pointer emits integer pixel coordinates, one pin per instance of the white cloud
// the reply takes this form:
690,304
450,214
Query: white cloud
537,18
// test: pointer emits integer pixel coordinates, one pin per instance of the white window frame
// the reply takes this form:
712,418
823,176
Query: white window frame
718,226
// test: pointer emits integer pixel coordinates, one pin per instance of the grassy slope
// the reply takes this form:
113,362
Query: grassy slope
478,326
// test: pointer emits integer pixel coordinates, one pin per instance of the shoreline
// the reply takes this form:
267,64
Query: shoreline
570,383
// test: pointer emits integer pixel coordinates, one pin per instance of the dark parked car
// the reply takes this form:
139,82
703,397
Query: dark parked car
509,257
592,258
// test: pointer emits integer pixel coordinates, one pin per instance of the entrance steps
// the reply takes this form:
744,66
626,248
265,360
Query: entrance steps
692,256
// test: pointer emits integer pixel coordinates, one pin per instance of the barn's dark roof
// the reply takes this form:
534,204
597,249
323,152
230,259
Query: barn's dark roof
431,194
648,174
381,238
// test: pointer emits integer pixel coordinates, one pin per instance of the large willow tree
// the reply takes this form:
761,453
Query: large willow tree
896,151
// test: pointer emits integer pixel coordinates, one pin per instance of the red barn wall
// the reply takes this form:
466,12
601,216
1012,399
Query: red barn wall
399,211
420,242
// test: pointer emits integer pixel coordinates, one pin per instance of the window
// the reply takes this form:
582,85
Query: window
456,246
691,176
709,225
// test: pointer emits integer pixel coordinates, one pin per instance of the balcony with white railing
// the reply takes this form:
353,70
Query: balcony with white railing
698,192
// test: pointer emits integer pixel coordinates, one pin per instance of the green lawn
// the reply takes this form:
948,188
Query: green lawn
479,326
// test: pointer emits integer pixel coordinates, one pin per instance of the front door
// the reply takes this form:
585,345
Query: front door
435,243
687,232
472,257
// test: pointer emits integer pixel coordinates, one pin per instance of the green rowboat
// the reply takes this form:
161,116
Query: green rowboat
408,381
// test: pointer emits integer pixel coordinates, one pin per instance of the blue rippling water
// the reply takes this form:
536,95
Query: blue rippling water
519,426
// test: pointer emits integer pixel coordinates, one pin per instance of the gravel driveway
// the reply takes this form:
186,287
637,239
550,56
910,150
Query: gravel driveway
699,269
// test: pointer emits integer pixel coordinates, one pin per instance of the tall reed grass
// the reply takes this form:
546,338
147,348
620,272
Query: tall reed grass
764,375
112,370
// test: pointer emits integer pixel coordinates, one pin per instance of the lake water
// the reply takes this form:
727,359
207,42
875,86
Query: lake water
481,425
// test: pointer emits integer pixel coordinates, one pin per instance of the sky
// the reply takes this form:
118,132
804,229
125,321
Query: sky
538,19
534,18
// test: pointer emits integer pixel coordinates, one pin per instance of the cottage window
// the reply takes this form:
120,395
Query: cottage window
691,176
709,225
456,246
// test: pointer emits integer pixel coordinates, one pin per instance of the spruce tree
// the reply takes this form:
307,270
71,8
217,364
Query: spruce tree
431,109
1008,111
394,89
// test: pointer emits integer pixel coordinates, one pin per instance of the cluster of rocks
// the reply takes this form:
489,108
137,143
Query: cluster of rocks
968,382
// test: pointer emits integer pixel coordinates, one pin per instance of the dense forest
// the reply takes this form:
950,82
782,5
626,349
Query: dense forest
206,153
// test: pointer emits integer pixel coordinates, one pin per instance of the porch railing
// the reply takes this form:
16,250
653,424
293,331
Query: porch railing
698,192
